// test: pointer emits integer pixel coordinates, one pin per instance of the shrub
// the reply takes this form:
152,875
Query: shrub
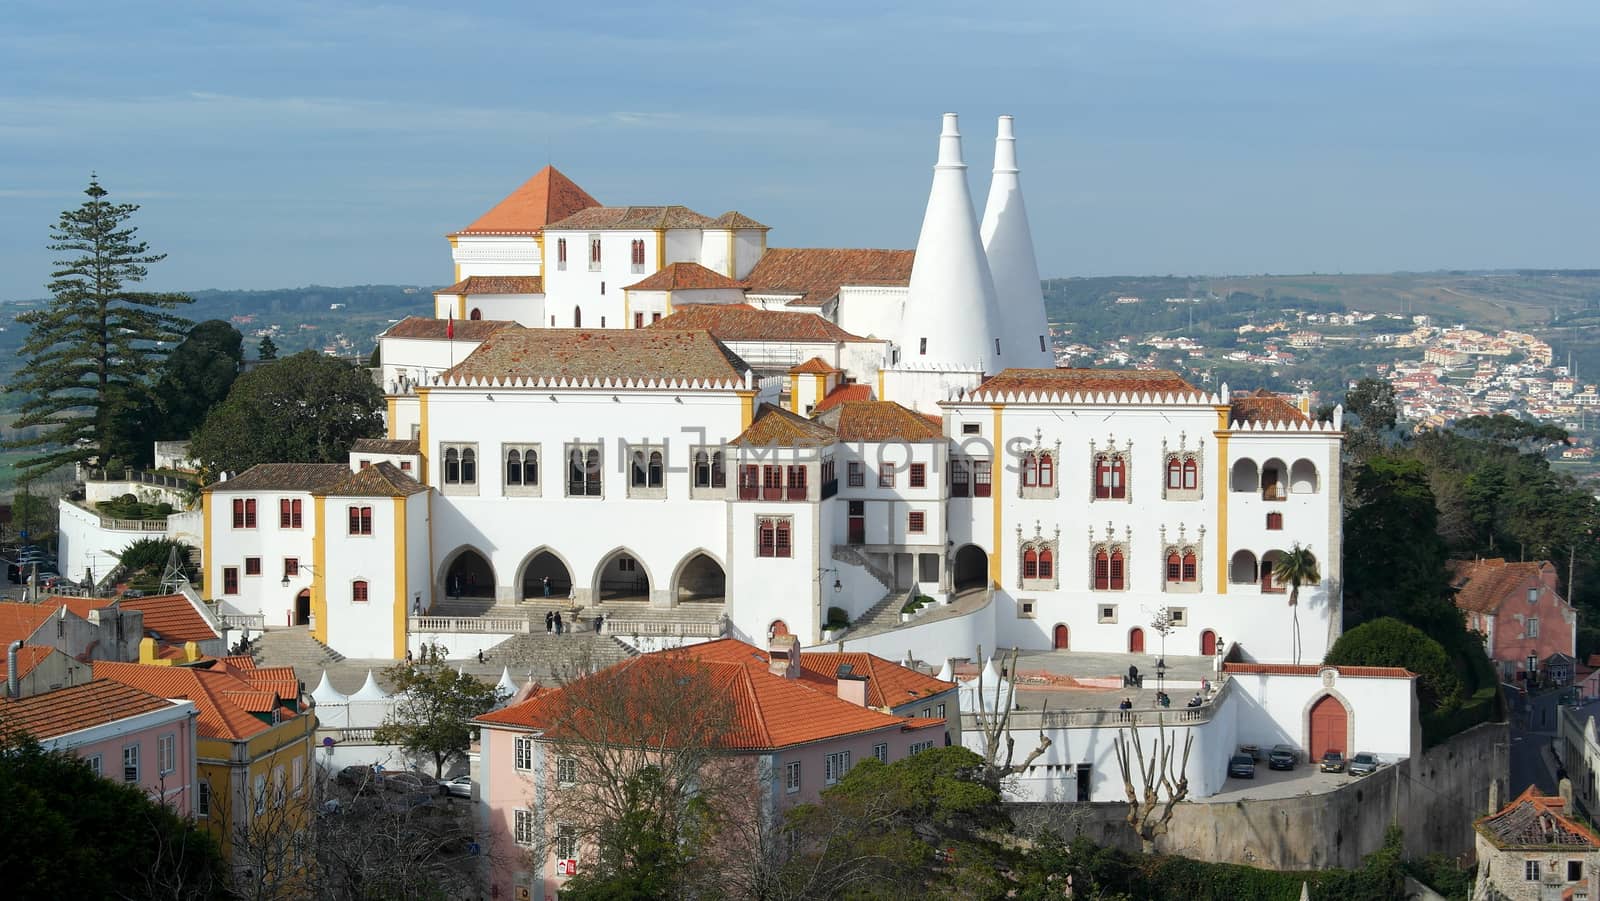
837,618
1390,642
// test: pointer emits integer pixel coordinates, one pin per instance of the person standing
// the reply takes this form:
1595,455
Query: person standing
546,586
549,621
558,622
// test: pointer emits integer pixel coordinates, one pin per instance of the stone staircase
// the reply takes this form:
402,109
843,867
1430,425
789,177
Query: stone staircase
880,617
851,556
294,647
546,657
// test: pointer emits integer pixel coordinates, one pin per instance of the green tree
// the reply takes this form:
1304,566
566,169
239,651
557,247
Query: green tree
72,834
267,349
433,711
1296,568
1394,557
1390,642
144,562
197,376
1372,403
308,408
91,350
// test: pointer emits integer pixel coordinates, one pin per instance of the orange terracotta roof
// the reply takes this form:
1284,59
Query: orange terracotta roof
172,618
736,219
1483,585
18,621
495,284
429,329
879,420
283,477
1085,381
515,354
542,199
1534,820
630,218
400,446
1311,669
888,683
220,715
742,322
67,710
381,479
80,606
815,365
1264,407
842,394
769,712
817,273
685,277
774,426
29,656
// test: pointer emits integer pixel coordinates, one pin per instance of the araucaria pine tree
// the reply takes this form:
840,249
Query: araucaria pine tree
91,350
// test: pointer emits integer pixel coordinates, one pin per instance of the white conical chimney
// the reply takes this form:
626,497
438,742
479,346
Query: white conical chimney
950,314
1008,244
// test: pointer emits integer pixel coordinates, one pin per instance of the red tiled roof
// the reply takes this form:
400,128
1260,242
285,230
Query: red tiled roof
774,426
430,329
1311,669
1483,585
542,199
769,711
495,284
817,273
29,656
1534,820
815,365
220,715
381,479
684,277
400,446
1264,407
19,621
842,394
742,322
172,617
888,683
879,420
1085,381
68,710
518,353
284,477
631,218
735,219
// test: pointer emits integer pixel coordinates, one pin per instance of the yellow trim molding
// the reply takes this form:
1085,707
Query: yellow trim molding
400,587
319,568
205,546
423,449
391,429
747,409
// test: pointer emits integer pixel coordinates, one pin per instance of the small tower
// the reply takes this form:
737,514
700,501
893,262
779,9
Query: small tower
950,317
1008,244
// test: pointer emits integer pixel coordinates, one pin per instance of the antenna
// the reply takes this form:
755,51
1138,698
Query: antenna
173,578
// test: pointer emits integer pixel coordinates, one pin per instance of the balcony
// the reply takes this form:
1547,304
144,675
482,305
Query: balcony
797,492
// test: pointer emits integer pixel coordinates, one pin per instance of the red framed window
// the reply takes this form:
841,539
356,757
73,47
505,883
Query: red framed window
960,479
856,474
638,253
919,475
360,520
773,538
1102,571
1191,567
1174,473
594,251
1047,564
238,513
358,591
1117,579
1045,470
638,320
1174,567
916,521
749,482
982,478
1191,475
1274,521
655,317
290,513
772,483
291,566
230,580
1030,564
797,483
252,566
561,250
244,513
1029,475
1111,477
783,544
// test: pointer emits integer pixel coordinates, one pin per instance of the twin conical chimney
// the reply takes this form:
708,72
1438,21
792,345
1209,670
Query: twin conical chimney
950,319
1008,245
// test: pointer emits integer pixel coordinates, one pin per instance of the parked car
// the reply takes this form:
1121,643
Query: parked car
1282,757
459,787
1242,766
1333,762
1363,764
413,783
356,776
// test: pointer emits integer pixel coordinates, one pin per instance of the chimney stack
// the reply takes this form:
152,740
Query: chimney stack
852,688
783,656
1008,248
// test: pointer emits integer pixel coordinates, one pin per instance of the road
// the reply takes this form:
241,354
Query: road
1533,730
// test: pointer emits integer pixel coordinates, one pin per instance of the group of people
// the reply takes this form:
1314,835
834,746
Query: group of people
242,646
553,623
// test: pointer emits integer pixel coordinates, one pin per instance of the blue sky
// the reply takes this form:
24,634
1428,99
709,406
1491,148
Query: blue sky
286,143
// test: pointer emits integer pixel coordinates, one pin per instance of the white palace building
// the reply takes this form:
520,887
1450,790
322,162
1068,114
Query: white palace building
647,413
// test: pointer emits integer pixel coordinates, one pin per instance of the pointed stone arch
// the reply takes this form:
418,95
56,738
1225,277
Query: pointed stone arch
620,575
700,577
475,570
540,563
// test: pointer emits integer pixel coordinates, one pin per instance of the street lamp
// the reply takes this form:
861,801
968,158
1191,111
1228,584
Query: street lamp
302,566
838,586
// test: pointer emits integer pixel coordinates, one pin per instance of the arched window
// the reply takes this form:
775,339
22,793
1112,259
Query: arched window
1174,567
469,466
1174,473
475,314
530,467
358,591
637,473
1111,477
702,469
513,468
1191,567
1047,470
1029,475
657,469
577,317
1191,474
561,252
1118,581
1102,571
719,476
1030,564
1047,564
452,467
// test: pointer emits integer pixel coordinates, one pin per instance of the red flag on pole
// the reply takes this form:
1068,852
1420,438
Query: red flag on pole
450,327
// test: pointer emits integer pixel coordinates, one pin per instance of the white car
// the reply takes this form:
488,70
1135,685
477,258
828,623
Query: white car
459,787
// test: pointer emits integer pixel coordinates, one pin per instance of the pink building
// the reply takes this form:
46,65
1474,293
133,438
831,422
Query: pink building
798,726
1517,609
124,734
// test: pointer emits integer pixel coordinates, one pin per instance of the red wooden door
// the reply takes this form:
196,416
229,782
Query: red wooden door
858,522
1208,643
1330,724
1061,637
1136,641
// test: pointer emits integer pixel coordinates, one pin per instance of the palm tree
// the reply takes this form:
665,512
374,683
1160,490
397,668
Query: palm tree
1297,567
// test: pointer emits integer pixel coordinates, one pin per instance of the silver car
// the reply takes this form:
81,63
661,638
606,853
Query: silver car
459,787
1363,764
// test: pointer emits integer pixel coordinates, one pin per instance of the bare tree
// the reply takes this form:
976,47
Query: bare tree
999,747
268,828
1148,814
